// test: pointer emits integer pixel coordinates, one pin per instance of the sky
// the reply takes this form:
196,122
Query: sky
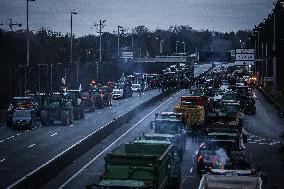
218,15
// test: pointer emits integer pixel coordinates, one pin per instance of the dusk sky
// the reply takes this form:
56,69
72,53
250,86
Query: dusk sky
220,15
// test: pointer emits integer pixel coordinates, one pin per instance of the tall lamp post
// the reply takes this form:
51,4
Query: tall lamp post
71,41
161,46
177,46
183,46
28,34
118,40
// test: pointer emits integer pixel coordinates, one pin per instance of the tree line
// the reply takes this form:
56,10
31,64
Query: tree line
50,47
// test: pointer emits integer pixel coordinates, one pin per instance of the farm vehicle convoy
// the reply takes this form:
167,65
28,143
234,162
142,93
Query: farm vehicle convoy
213,111
221,159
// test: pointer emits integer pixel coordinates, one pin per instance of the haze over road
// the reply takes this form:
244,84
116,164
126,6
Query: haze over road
220,15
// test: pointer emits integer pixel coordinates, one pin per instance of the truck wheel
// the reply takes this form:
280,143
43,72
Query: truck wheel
44,118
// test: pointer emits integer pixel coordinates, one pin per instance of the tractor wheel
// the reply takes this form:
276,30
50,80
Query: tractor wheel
44,118
82,114
65,118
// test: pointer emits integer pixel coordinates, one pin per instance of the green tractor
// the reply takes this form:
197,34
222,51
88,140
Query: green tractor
57,108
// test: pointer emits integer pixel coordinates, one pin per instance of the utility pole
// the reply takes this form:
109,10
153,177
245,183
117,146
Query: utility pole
101,25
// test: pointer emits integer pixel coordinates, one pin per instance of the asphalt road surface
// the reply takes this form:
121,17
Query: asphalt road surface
24,150
263,147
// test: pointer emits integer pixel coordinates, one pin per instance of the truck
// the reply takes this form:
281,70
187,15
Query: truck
224,179
192,108
171,125
138,165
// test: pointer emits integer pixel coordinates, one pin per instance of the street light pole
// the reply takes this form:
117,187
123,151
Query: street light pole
183,47
161,46
118,40
274,58
71,40
177,46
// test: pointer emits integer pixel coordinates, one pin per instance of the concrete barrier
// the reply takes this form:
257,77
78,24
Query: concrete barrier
50,169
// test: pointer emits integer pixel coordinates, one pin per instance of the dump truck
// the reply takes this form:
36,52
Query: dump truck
165,124
166,138
138,165
224,179
192,108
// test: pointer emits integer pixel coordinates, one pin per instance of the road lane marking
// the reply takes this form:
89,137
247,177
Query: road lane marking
112,144
10,137
2,141
2,160
259,140
31,145
53,134
273,143
191,169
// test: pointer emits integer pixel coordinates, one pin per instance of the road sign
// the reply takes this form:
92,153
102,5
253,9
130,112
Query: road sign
244,57
244,51
268,78
127,55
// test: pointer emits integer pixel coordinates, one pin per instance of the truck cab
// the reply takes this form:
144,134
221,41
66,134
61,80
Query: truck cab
173,127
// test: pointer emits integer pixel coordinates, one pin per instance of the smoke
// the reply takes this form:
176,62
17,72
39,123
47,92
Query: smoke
222,156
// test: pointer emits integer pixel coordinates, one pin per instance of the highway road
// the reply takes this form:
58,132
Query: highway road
23,151
263,147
